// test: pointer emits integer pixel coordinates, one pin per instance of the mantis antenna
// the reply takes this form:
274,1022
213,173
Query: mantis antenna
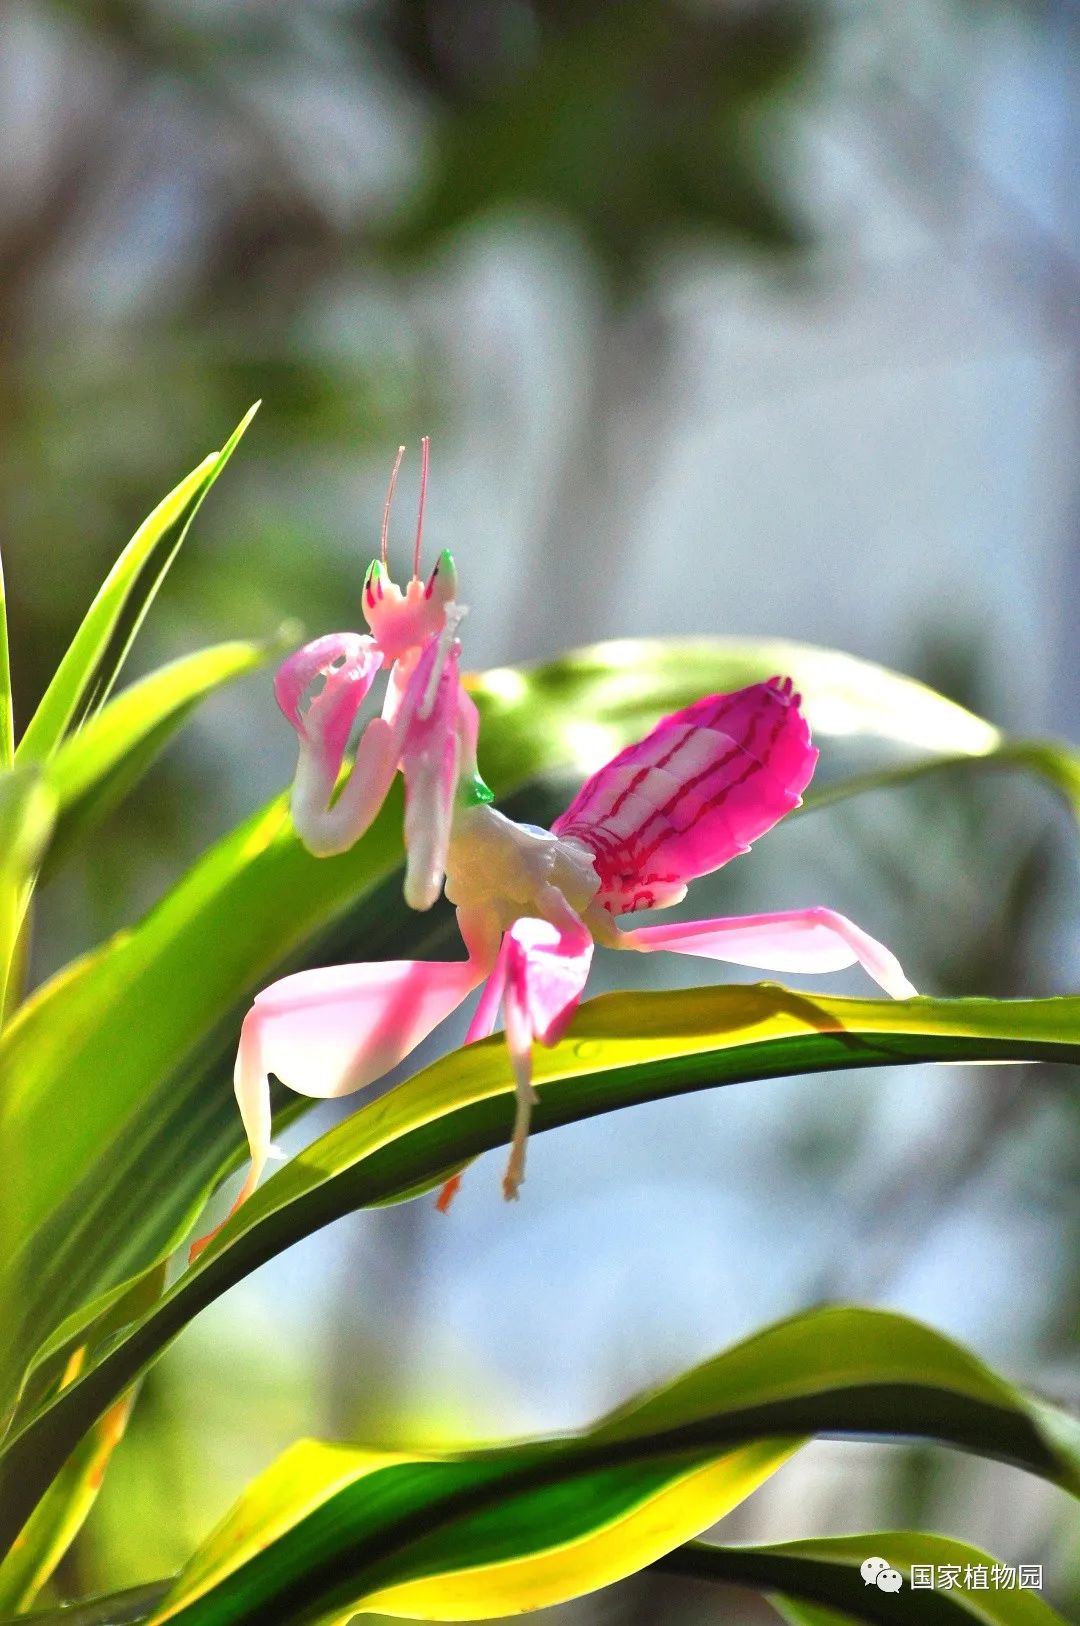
424,448
385,538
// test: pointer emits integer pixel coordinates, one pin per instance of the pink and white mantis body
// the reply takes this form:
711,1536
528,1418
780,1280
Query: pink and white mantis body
428,725
531,903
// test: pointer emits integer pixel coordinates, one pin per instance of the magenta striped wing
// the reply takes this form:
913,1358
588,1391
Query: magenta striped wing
693,794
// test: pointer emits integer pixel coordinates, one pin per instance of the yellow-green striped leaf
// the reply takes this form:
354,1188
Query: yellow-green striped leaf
620,1050
470,1535
59,1516
819,1580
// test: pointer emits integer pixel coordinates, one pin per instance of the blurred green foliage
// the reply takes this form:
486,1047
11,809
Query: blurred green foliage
636,126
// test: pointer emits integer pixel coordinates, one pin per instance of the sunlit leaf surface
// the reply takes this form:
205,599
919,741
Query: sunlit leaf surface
816,1578
477,1534
620,1050
93,769
83,680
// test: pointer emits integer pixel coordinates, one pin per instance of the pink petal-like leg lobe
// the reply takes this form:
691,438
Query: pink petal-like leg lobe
329,1032
546,971
418,732
547,968
539,975
348,663
807,940
707,781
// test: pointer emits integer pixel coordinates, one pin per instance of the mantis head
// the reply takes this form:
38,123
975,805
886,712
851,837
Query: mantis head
400,621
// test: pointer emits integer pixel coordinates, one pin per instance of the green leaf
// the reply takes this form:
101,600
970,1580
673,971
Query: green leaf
131,1014
95,768
27,812
456,1536
621,1049
824,1575
1055,764
509,1529
584,700
7,716
808,1571
798,1613
581,708
60,1514
85,676
83,1332
118,1609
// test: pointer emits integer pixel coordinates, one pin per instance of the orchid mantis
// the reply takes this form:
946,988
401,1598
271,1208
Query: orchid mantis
531,903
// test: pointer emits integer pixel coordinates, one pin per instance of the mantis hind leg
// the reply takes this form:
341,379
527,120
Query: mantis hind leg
808,940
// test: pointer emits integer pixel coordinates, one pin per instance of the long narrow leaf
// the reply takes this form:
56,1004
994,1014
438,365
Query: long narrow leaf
7,716
478,1534
329,1530
825,1573
139,608
620,1050
806,1580
585,705
60,1514
27,812
95,768
75,676
127,1608
584,698
85,675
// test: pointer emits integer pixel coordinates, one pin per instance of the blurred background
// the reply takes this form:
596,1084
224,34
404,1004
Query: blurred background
725,316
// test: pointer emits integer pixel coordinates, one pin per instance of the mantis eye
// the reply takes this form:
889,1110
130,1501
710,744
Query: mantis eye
442,583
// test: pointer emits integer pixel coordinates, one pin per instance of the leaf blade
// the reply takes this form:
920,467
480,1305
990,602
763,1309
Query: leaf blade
824,1572
79,679
61,1513
27,815
516,1527
7,713
75,673
105,688
95,768
461,1105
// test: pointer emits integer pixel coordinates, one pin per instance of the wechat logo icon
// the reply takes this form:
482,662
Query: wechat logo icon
880,1573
